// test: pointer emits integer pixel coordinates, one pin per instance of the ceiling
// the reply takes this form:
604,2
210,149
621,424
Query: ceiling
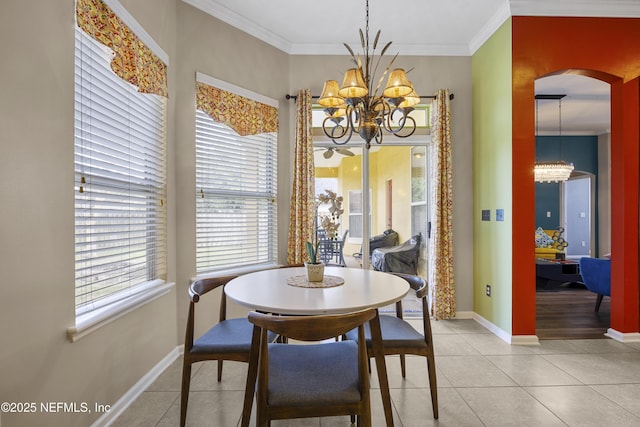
416,27
425,28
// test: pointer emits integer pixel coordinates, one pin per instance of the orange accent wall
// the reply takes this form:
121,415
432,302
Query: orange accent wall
603,48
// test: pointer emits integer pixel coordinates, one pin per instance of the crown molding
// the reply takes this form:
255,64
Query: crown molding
240,22
576,8
487,30
403,49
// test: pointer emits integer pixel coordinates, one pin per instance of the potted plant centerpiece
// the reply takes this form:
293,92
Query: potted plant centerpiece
315,268
329,219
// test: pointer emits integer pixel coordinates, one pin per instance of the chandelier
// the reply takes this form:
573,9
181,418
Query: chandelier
356,106
552,171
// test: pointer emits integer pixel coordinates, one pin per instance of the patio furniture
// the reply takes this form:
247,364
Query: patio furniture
398,259
387,238
331,250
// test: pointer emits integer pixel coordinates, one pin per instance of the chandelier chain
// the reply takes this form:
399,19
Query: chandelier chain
367,24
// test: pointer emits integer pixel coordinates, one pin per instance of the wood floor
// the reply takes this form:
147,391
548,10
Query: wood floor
567,313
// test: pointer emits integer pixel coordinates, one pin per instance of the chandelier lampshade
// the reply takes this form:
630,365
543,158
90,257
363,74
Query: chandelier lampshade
330,97
397,85
353,85
358,108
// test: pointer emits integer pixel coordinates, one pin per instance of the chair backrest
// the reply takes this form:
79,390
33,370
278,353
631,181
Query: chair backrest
421,290
197,289
308,328
596,274
311,328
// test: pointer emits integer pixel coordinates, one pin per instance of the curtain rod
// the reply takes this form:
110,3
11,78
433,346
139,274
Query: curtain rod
287,96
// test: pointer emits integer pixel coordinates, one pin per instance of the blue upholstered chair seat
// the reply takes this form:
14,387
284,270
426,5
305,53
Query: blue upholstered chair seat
330,366
228,336
395,332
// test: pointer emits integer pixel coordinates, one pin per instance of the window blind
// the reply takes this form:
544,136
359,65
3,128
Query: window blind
120,185
236,197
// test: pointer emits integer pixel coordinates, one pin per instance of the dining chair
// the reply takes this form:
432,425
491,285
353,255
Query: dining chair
400,338
229,339
321,379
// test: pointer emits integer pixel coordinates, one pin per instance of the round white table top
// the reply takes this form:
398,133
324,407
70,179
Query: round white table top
268,291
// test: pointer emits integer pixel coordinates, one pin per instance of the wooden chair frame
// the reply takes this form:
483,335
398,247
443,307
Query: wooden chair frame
419,286
307,328
196,290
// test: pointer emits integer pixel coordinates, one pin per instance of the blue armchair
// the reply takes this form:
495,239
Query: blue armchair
596,275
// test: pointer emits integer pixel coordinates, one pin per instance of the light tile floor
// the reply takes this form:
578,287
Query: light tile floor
482,381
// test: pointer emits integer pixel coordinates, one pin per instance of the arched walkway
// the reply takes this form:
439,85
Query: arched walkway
601,48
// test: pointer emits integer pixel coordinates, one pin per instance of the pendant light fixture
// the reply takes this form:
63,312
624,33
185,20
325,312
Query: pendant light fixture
558,170
358,107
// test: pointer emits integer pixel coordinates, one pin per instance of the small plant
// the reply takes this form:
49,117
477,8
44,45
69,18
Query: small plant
312,252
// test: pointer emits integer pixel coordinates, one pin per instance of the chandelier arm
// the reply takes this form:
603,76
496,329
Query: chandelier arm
346,141
333,128
358,109
401,122
412,128
378,138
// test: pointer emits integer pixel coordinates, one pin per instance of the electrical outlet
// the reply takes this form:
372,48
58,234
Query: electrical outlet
488,290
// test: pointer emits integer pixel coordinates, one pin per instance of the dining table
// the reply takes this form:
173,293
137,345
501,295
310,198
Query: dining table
285,291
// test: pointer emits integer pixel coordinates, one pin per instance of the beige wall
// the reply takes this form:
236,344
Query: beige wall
429,74
37,363
207,45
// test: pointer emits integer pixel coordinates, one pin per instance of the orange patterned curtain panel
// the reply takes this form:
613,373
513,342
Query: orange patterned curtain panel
133,61
244,115
302,216
442,286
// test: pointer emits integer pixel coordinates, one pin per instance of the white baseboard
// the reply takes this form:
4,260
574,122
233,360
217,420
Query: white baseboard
132,394
506,336
623,336
525,340
464,314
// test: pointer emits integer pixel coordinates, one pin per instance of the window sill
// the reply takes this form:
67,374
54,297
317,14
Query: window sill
236,271
95,320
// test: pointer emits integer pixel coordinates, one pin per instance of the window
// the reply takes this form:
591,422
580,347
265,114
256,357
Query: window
236,211
120,215
419,192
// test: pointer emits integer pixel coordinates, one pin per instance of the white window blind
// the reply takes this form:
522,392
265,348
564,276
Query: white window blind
120,185
236,197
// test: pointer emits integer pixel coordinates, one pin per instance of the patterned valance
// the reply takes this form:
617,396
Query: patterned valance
133,61
243,115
